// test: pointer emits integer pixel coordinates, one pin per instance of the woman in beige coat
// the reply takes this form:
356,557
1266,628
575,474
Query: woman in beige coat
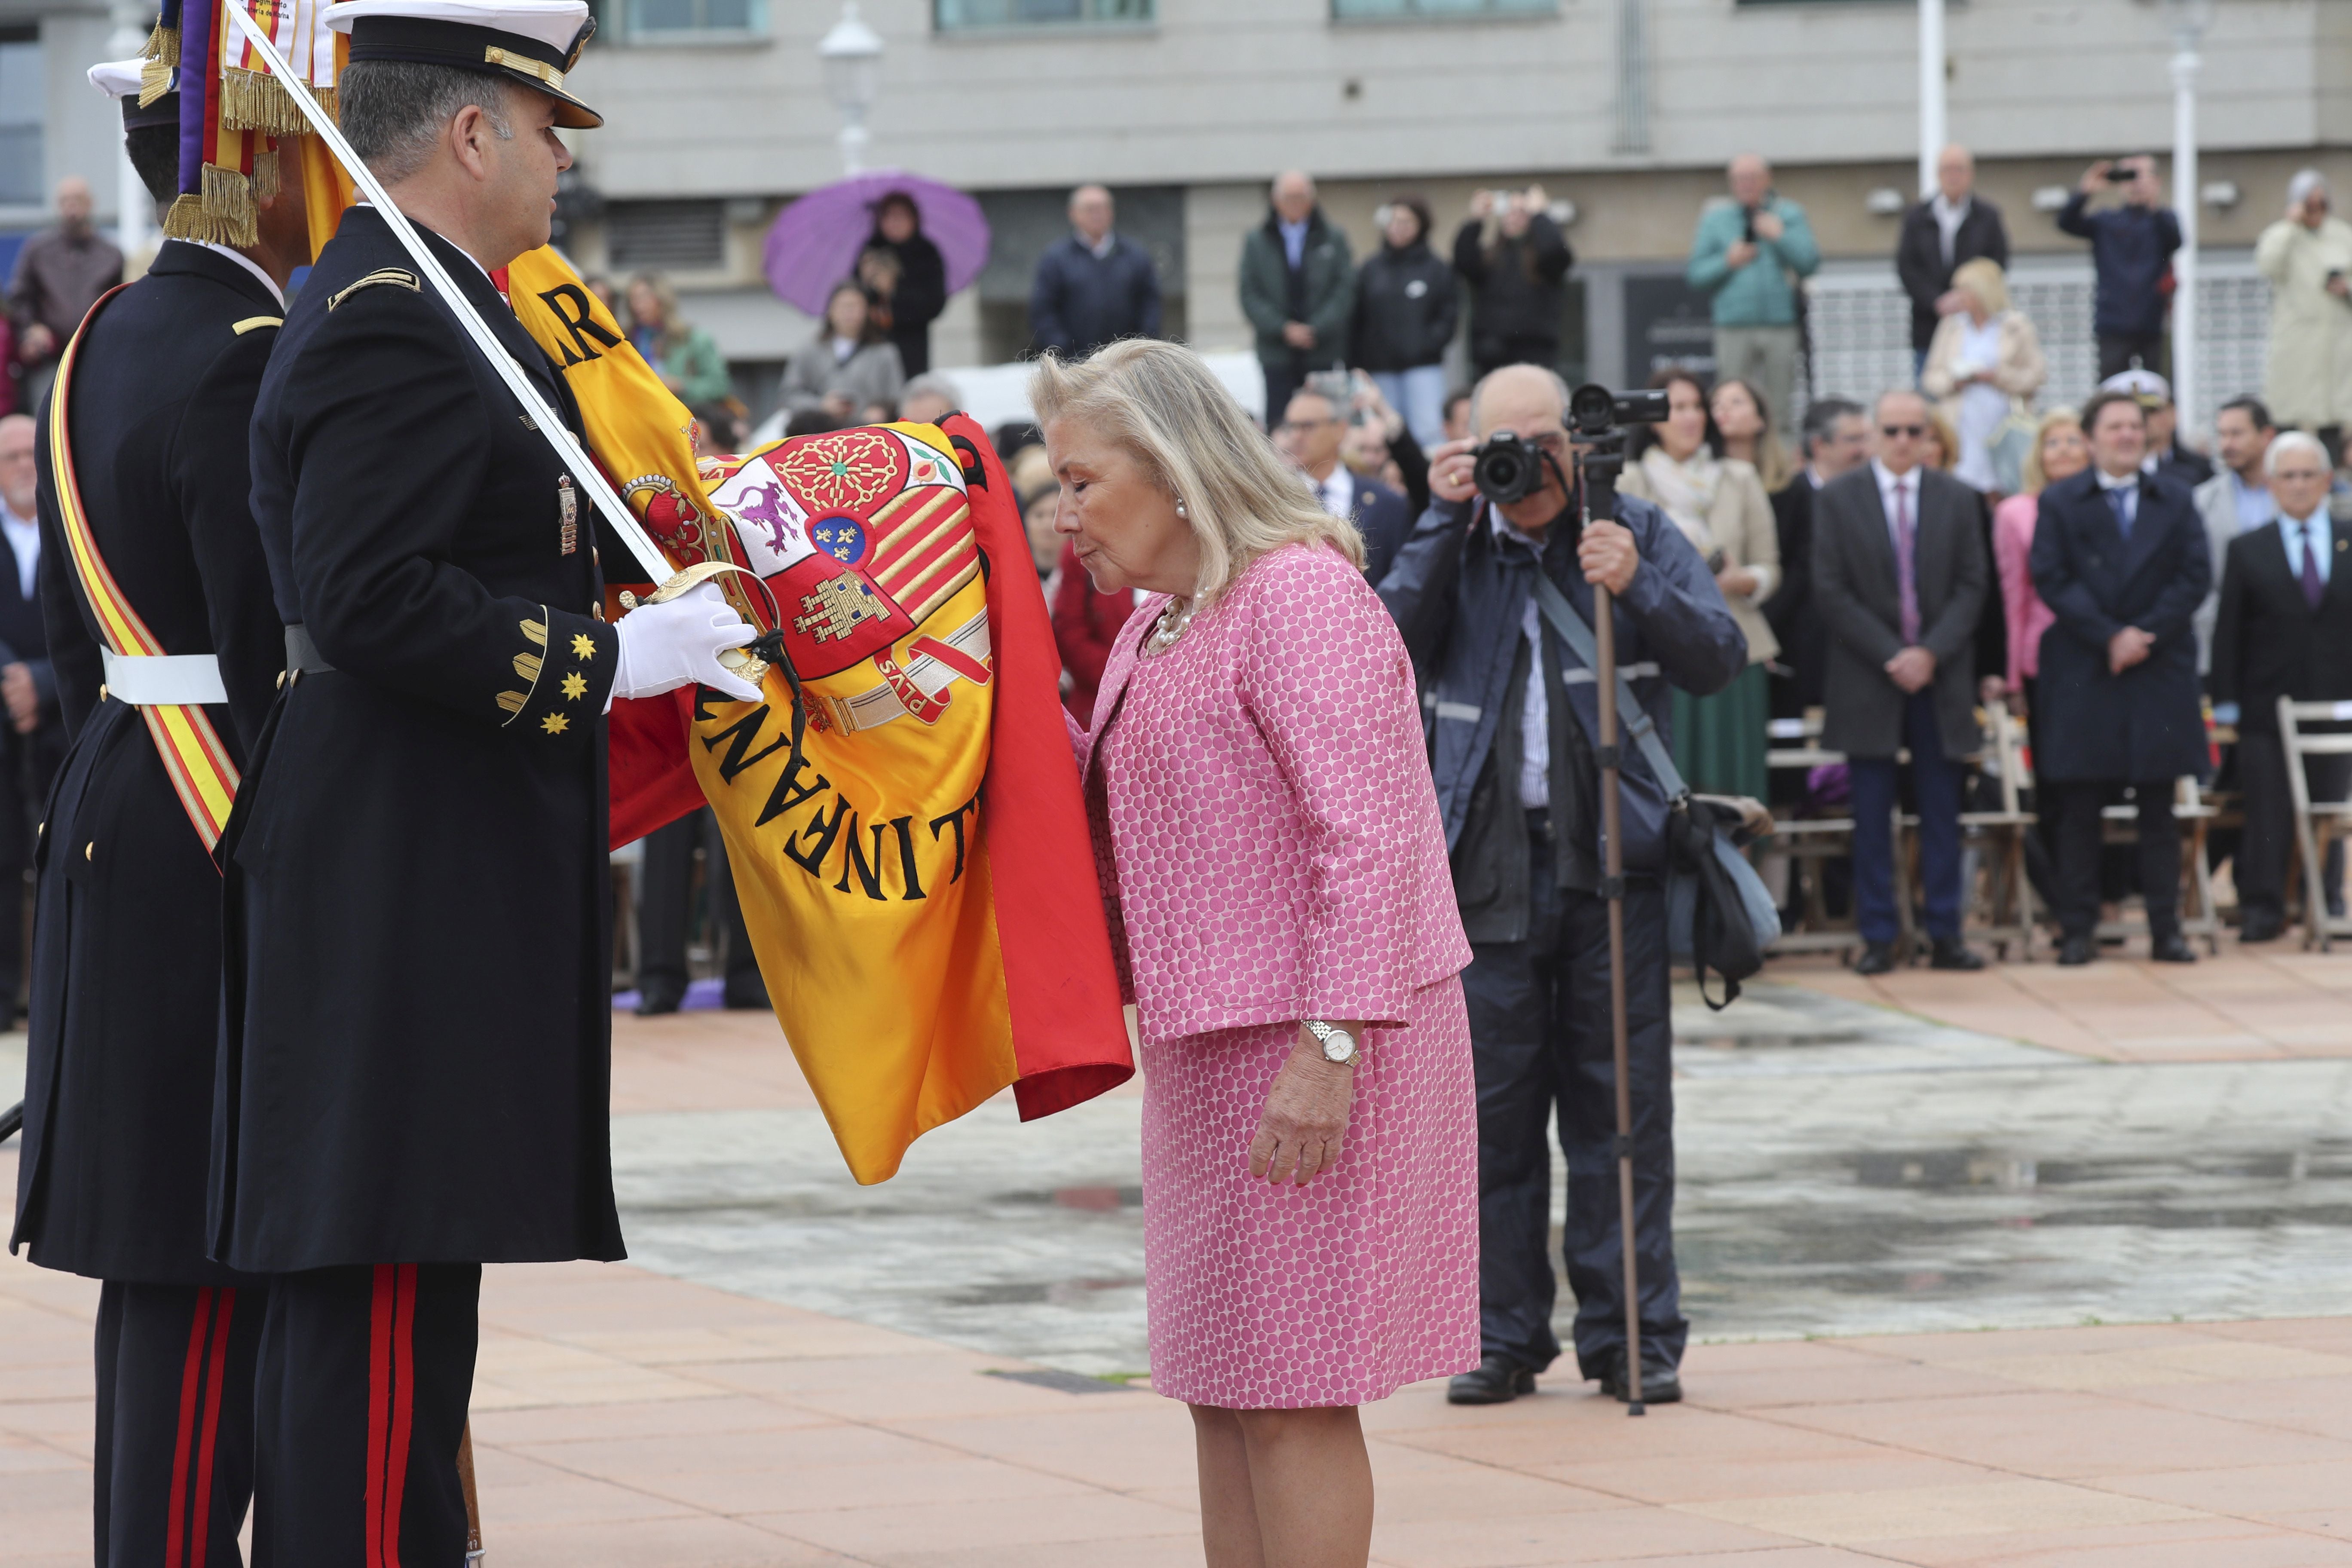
1984,365
1719,505
2307,256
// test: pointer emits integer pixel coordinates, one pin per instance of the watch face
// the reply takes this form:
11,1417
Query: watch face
1339,1046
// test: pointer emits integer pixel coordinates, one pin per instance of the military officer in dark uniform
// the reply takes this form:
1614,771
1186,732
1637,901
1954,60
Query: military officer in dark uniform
415,1063
126,959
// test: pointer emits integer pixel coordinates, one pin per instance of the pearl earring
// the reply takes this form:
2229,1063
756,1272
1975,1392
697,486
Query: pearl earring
1180,507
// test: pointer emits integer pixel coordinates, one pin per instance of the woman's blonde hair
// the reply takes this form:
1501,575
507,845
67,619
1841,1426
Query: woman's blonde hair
1773,464
2033,480
1985,279
1159,401
1947,439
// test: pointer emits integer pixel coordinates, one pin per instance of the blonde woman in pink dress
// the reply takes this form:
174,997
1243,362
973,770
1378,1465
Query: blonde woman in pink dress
1271,855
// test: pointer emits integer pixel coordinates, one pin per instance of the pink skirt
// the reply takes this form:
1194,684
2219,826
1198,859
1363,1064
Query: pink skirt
1274,1297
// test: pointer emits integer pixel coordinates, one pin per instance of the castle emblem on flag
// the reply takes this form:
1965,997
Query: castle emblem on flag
837,607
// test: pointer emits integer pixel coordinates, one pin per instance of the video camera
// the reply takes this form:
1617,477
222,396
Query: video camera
1508,467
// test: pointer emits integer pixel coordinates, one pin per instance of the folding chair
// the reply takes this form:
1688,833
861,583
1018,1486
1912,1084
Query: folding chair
2008,903
1807,844
2317,824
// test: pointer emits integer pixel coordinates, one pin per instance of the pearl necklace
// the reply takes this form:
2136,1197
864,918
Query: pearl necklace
1165,631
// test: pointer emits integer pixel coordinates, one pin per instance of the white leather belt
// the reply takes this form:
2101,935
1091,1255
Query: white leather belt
157,681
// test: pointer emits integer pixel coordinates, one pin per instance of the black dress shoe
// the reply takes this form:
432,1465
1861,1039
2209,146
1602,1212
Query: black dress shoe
655,997
2077,950
2171,948
2260,925
1496,1379
1660,1384
1877,958
747,994
1951,953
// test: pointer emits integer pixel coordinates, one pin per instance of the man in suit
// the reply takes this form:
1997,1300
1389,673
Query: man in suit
121,1043
2121,558
1899,577
1955,225
2166,457
1310,435
2236,500
1836,436
2284,629
32,743
428,799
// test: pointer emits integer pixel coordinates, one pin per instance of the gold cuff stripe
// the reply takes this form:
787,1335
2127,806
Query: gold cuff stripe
536,631
512,701
526,664
255,323
495,55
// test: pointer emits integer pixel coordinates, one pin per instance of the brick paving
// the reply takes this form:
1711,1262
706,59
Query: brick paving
625,1416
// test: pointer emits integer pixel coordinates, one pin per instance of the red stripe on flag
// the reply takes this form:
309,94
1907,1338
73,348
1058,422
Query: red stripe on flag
403,1405
175,1540
199,1536
380,1306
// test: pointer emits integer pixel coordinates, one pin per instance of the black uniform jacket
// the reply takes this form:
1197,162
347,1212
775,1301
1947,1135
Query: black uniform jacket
1859,602
417,1057
2268,642
126,951
2145,724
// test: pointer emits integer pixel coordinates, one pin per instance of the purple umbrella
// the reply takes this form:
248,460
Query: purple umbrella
815,242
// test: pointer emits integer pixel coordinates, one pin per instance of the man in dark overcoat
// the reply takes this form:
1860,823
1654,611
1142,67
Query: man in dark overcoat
126,953
2283,628
415,1070
1899,577
2120,557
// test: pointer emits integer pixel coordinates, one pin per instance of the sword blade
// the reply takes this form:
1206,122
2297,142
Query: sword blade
590,477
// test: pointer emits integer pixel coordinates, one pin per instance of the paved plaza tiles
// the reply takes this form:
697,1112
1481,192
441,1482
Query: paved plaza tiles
2033,1266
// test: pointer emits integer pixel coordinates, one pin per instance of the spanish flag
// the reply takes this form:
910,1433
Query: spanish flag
915,870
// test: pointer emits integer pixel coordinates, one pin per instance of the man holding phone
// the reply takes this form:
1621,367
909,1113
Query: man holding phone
1751,249
2131,252
2306,256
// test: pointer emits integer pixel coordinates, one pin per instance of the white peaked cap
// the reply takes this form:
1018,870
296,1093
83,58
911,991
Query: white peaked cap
117,78
555,23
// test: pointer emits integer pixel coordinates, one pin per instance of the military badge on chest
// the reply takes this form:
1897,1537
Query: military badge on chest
567,500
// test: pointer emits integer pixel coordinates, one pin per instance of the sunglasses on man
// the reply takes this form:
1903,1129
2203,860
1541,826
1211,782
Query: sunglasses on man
1894,432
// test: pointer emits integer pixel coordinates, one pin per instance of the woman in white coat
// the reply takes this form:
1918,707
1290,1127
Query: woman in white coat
2307,256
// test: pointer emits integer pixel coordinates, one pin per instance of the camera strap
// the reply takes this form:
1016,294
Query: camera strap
1572,631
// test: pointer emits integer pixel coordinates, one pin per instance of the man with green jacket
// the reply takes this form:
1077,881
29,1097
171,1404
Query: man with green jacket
1749,251
1298,290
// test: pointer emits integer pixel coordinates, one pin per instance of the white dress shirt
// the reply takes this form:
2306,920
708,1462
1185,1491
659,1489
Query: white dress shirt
2129,485
1535,715
1949,219
25,537
1889,483
1336,491
251,266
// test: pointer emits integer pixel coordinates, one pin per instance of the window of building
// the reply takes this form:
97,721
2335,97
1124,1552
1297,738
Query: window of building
652,20
962,15
677,237
22,94
1385,10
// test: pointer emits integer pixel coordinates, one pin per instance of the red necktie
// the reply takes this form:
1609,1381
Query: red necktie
1907,579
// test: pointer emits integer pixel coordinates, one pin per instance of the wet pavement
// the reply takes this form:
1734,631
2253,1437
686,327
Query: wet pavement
1845,1169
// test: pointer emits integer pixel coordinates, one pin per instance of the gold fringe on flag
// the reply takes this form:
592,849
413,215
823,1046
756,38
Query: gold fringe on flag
162,59
264,175
222,215
256,100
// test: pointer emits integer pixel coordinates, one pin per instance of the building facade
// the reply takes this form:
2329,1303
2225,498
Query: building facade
719,113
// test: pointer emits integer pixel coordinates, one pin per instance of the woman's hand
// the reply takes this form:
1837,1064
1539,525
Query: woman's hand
1306,1117
1736,582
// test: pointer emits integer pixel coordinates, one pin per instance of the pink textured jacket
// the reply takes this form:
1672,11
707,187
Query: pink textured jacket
1270,846
2028,617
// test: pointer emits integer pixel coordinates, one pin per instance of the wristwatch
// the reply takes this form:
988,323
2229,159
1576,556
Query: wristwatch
1339,1046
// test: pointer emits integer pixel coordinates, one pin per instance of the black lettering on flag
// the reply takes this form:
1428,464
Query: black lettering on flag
956,816
580,322
738,737
790,791
821,833
853,858
904,827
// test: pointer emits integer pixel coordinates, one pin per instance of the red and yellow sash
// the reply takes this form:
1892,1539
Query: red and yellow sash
191,748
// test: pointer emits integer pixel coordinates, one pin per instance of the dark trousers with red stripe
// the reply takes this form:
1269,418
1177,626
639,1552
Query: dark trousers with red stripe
360,1402
174,1451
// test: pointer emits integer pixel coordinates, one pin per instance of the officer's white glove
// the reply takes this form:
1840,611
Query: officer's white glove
677,643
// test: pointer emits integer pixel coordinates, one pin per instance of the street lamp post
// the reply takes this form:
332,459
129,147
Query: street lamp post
852,53
133,208
1932,133
2190,20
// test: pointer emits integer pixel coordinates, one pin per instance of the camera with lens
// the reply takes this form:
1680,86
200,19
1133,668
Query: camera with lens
1508,467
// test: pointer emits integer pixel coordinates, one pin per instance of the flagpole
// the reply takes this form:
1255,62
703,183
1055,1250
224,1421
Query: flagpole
584,468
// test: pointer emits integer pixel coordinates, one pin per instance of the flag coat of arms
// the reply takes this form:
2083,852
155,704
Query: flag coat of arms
915,872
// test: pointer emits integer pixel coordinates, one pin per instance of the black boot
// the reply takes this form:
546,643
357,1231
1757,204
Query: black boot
1661,1384
656,996
1496,1379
